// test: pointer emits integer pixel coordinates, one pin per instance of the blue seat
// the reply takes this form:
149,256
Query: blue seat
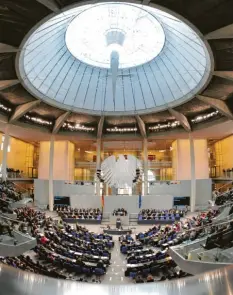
86,270
109,244
99,271
145,272
124,250
78,269
132,275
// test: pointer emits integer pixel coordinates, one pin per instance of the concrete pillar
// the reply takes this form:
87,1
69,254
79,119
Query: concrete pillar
51,158
181,161
193,174
63,160
145,164
4,154
98,160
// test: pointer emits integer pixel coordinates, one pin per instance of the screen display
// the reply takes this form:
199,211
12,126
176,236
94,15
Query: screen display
62,201
181,201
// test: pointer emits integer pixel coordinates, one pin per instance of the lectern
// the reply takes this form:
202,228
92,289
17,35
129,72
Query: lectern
118,223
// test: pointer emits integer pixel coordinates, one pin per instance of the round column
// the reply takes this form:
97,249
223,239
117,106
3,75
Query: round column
193,174
145,164
51,158
5,151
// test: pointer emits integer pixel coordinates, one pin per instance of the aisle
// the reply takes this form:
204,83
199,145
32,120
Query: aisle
116,271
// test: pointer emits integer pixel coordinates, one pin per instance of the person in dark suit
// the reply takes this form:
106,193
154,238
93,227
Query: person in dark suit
118,223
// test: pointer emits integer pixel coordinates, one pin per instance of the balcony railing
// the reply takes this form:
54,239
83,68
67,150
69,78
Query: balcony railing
151,164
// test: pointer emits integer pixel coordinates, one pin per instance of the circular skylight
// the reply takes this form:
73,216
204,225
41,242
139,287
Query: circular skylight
114,58
131,31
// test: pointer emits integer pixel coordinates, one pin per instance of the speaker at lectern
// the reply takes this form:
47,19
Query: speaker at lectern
118,223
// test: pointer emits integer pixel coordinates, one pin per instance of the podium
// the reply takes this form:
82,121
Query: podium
118,223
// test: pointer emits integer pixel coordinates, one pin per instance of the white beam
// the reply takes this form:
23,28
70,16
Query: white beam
59,122
8,83
141,126
5,48
181,118
218,104
145,2
100,127
224,74
23,109
223,33
50,4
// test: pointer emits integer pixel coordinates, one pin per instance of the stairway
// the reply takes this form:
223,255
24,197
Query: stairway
133,219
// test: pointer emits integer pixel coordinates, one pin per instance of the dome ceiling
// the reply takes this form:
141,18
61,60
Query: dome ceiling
172,83
114,57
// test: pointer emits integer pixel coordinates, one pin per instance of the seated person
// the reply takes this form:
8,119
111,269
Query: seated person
128,237
139,279
149,278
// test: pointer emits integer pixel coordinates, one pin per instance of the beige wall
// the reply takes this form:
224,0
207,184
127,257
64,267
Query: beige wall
181,159
224,153
63,164
20,155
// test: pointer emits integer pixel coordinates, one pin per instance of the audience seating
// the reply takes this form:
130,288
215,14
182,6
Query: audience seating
151,216
224,198
119,212
14,173
146,265
67,252
170,235
72,215
30,216
8,192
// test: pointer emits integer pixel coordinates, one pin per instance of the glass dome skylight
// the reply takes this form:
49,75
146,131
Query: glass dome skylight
114,58
99,30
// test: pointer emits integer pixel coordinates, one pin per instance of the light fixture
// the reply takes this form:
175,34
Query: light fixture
124,129
77,127
205,117
38,120
4,108
168,125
